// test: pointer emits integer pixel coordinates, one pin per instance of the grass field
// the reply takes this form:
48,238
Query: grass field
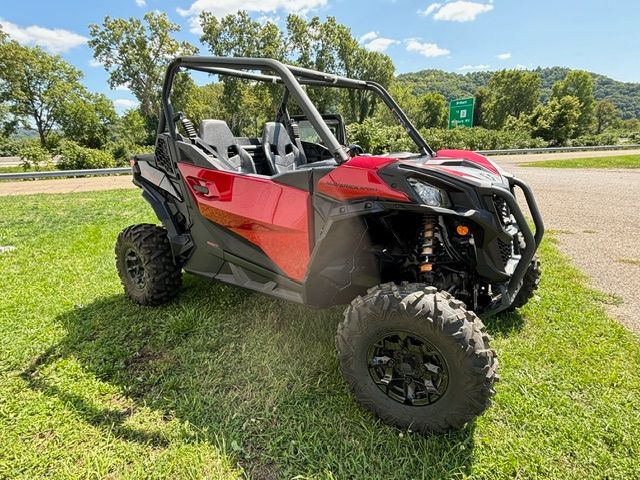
223,383
622,161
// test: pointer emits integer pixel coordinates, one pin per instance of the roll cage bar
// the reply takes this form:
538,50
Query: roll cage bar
292,78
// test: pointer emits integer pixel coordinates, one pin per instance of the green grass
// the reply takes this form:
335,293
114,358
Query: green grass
622,161
224,383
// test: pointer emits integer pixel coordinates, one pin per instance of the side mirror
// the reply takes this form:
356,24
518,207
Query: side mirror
355,150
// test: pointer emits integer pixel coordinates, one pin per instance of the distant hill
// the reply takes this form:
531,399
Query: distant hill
626,96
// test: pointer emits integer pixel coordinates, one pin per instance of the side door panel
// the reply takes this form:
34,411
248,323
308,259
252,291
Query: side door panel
272,216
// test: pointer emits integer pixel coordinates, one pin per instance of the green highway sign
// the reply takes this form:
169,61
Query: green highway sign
461,113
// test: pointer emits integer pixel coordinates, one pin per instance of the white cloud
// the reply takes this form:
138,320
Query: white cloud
125,103
224,7
54,40
122,88
367,37
430,9
473,68
372,41
141,3
95,63
504,56
427,49
459,11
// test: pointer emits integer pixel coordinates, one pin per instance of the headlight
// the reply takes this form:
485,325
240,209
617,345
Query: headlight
430,195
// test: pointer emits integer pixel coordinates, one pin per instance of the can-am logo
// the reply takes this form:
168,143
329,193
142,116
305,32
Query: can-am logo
348,185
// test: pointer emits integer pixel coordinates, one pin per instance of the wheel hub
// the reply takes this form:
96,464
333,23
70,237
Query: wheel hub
408,369
135,268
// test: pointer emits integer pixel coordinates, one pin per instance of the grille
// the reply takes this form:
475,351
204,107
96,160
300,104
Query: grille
163,159
505,251
502,209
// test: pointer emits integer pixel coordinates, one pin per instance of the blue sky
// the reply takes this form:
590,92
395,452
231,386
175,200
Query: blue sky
457,36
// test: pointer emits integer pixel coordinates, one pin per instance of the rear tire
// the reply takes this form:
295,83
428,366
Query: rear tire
530,284
146,266
452,382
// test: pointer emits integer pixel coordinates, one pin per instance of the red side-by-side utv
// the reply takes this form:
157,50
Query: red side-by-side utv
417,245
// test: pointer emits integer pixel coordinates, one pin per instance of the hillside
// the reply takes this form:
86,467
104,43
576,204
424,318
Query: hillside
626,96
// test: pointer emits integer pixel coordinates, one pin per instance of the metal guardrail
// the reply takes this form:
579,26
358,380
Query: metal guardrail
125,170
65,173
525,151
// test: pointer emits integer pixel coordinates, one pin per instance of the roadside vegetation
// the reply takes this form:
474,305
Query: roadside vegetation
622,161
46,112
223,382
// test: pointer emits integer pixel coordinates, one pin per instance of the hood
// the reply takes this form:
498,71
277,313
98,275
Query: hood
462,164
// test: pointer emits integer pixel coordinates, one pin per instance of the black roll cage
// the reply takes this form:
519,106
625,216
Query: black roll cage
292,78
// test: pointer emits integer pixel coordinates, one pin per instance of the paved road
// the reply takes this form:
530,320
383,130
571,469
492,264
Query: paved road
594,213
65,185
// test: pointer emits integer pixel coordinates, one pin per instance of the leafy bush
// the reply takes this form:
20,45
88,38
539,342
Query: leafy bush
377,138
606,138
122,151
33,155
77,157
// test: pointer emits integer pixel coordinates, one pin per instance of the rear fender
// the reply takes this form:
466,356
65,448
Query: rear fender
155,191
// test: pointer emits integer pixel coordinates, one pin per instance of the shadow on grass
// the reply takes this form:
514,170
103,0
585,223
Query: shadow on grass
256,377
505,324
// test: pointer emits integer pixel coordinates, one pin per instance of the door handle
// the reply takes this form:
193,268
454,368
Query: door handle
201,189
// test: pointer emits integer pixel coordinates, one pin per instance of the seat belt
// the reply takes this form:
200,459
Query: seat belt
295,131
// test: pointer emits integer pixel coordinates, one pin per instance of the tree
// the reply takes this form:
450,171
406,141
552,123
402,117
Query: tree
35,86
329,47
136,55
131,128
404,96
557,121
240,36
321,45
88,118
606,113
511,92
578,84
481,96
432,111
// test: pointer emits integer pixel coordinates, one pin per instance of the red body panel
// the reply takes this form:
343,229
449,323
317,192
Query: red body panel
272,216
470,156
358,178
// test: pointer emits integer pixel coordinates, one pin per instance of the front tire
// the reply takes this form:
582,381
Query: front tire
146,266
416,357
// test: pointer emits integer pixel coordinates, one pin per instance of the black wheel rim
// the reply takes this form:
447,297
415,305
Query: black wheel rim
135,268
408,369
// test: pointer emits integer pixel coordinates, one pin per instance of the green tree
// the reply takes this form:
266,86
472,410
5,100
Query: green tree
578,84
556,121
404,96
88,118
239,35
330,47
432,111
136,54
35,86
511,92
131,128
606,114
481,96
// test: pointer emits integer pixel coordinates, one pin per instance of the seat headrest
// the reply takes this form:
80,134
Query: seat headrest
216,132
276,134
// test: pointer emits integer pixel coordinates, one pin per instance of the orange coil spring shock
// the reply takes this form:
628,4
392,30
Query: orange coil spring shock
428,243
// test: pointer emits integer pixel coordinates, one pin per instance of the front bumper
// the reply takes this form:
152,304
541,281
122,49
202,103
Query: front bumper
531,240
